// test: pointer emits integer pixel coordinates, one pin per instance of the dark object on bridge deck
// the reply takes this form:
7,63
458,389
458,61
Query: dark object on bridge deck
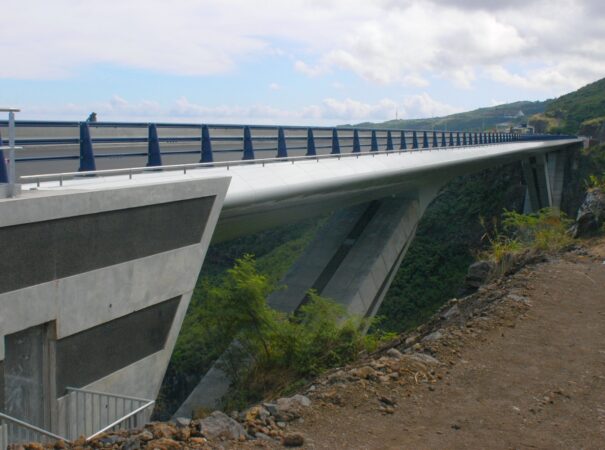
374,142
356,144
475,140
248,148
206,146
443,144
87,157
435,142
451,139
414,140
389,140
154,157
403,145
464,139
335,143
311,143
282,150
425,140
458,139
3,171
92,117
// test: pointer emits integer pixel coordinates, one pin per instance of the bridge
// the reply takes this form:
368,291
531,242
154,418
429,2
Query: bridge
104,228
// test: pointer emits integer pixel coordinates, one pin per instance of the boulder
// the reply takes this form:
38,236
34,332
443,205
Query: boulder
219,425
591,214
478,273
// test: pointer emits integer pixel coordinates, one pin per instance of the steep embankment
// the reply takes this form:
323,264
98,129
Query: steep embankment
519,364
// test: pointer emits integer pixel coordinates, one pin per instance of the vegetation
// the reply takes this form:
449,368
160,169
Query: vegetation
476,120
546,230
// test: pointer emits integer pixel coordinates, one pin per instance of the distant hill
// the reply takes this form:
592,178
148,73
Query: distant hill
581,111
477,120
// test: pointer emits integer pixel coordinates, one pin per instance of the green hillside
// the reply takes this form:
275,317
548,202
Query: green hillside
476,120
575,112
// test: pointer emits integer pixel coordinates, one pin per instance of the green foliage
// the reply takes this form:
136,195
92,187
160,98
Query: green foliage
546,230
280,348
595,181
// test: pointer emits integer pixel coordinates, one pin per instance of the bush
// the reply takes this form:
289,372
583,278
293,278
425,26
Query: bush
546,230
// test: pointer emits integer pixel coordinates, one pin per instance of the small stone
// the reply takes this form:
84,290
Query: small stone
453,311
132,444
144,435
182,422
164,444
434,336
220,425
389,410
394,353
387,400
293,439
264,437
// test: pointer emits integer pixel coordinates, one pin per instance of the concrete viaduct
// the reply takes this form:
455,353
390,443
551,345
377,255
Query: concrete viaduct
98,266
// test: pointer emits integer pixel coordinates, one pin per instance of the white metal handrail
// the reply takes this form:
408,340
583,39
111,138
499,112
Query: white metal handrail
13,431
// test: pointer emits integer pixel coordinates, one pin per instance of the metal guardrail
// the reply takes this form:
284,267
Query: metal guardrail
246,140
86,413
15,431
91,413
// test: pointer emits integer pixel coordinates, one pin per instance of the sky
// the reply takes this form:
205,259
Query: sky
304,62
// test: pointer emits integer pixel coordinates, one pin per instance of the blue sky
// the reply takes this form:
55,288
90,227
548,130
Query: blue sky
292,62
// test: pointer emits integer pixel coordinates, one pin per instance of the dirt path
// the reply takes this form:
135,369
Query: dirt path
528,374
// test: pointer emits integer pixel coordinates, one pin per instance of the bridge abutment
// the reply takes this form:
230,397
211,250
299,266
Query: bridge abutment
94,285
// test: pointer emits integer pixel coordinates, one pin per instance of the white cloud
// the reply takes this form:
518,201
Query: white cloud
528,44
423,105
275,87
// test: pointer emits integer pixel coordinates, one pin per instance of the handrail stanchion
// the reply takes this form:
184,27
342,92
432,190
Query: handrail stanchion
310,143
458,139
435,142
248,147
389,141
356,143
87,156
154,157
425,140
335,142
403,145
443,144
206,156
414,140
3,170
374,142
451,139
282,149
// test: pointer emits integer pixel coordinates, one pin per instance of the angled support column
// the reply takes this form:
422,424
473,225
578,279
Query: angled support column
544,175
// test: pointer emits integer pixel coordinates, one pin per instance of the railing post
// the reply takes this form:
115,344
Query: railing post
435,142
414,140
206,156
458,139
403,145
87,156
282,150
475,138
451,139
389,141
248,148
335,143
3,171
425,140
374,142
356,143
443,144
463,138
310,143
154,157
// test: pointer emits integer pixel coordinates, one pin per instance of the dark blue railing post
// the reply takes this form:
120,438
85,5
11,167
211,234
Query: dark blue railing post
282,149
482,138
443,144
403,145
458,139
154,157
435,143
356,143
248,147
374,142
425,140
389,141
87,157
463,138
335,142
414,140
206,156
310,143
475,138
3,171
451,139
